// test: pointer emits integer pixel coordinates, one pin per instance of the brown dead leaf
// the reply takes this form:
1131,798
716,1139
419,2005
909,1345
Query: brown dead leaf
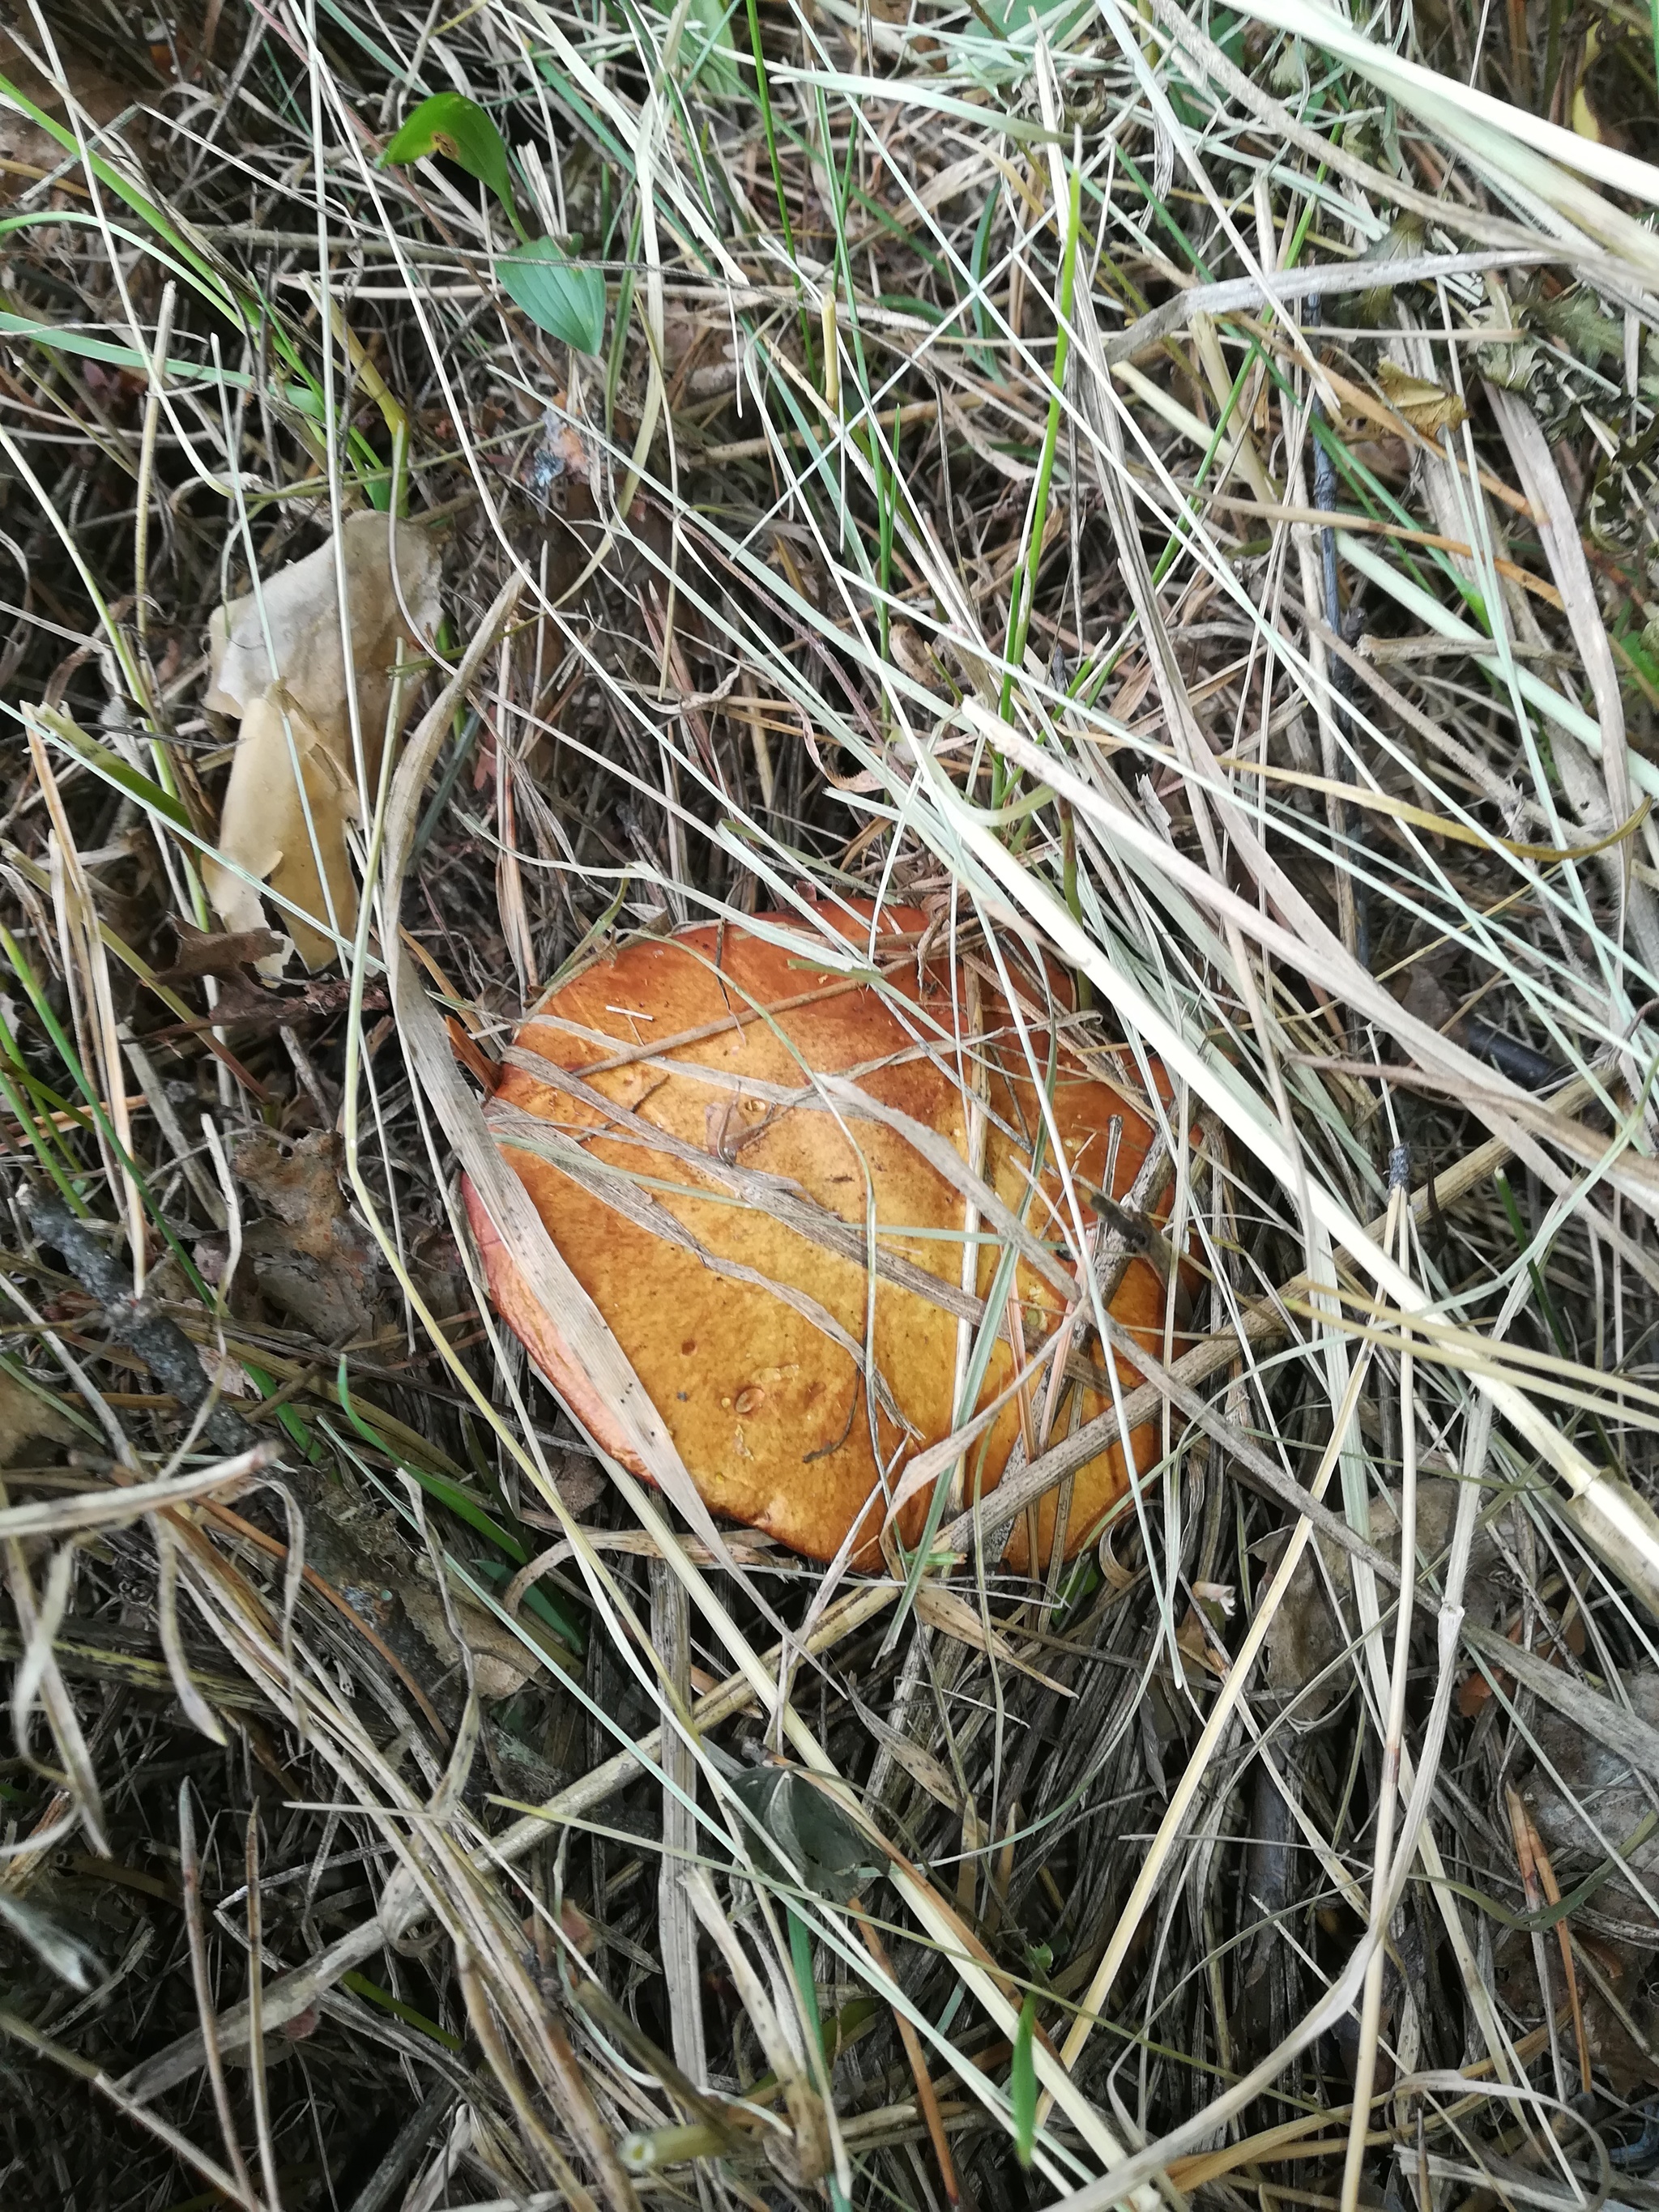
228,1376
579,1929
1608,2020
301,1188
245,1006
1428,408
1477,1688
1200,1635
579,1482
312,1259
294,707
218,953
921,1766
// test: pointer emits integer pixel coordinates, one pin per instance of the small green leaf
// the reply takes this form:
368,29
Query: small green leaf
563,297
1022,2084
549,1606
830,1850
452,124
800,1957
360,1986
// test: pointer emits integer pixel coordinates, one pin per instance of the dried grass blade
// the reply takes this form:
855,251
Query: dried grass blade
671,1633
256,2031
118,1507
194,1705
1558,526
38,1676
189,1873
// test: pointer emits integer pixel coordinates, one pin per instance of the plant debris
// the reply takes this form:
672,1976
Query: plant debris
317,693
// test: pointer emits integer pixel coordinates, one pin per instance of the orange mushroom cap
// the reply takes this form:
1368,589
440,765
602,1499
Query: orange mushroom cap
748,1331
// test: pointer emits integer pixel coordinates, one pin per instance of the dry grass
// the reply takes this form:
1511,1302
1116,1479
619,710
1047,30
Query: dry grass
998,491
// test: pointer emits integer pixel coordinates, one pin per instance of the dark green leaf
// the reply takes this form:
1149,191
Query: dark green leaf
563,297
813,1834
450,124
823,1841
1022,2084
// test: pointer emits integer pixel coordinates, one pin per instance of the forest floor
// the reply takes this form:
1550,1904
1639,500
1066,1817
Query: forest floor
1141,523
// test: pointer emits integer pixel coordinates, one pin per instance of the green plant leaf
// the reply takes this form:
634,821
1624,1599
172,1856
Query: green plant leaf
138,786
550,1606
452,124
360,1986
1022,2084
563,297
707,40
459,1500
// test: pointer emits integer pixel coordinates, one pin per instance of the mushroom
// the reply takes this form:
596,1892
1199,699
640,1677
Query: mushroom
713,1201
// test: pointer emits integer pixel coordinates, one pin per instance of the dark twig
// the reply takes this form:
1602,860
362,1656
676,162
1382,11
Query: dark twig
161,1344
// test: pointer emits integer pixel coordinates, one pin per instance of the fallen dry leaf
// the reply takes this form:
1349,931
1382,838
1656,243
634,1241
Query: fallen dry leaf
1580,1797
313,1260
292,699
501,1662
1429,408
225,1374
941,1608
1200,1635
1306,1640
209,952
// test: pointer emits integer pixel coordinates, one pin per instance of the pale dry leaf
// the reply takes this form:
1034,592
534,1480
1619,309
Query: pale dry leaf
919,1764
228,1376
1308,1639
941,1608
279,663
502,1662
1428,407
